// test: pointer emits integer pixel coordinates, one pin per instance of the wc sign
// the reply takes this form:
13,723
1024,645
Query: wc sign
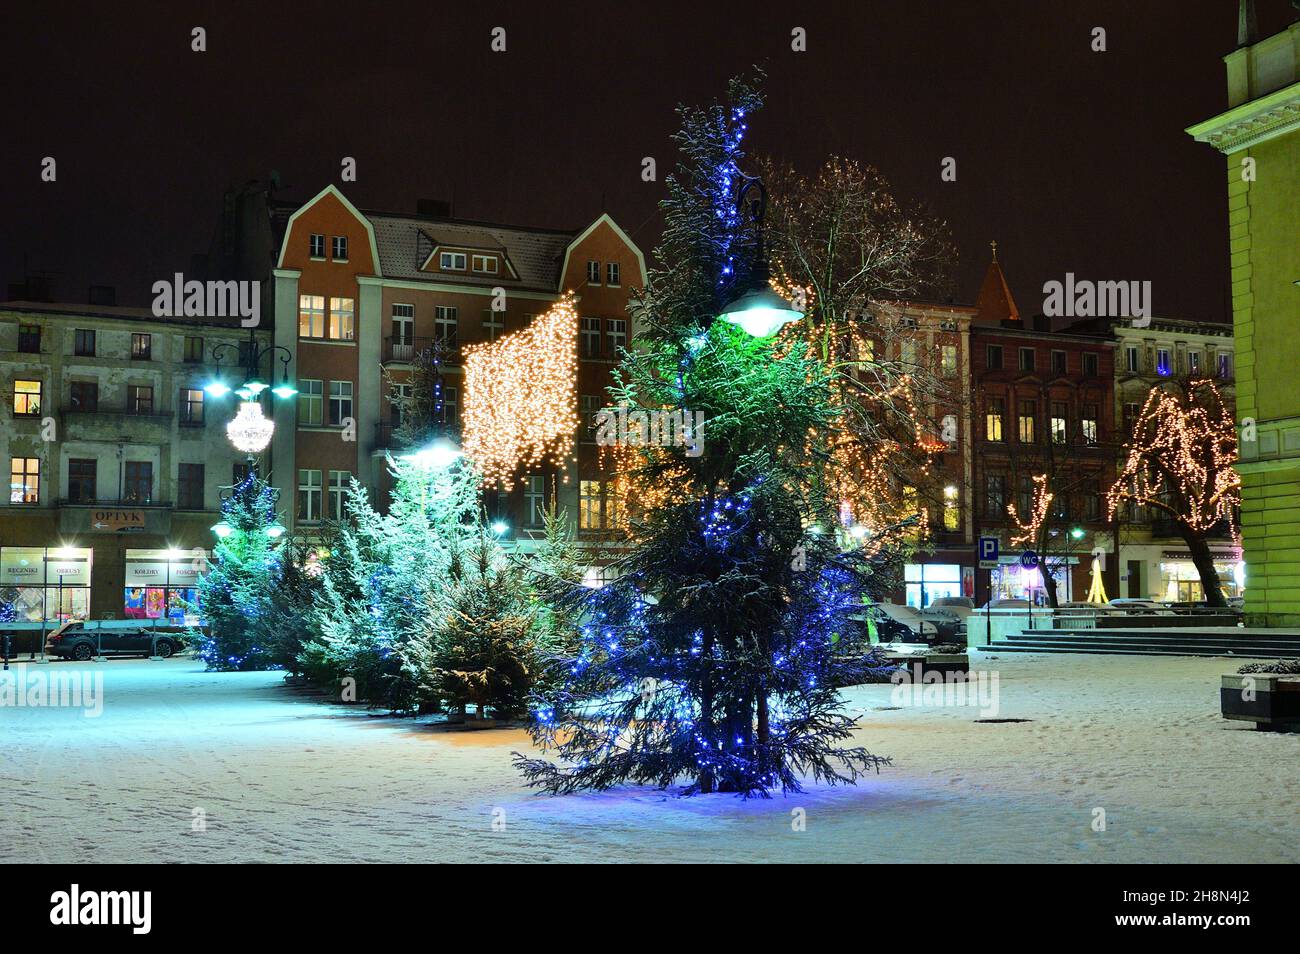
988,552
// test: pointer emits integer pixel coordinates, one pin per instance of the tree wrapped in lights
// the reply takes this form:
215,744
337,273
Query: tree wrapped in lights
1179,463
715,658
235,594
521,396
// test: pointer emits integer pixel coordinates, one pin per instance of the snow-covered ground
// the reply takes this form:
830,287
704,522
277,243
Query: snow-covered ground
277,775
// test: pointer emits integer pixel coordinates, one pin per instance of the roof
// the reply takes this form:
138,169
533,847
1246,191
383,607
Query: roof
995,303
73,309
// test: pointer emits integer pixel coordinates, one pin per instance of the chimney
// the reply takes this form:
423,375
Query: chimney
433,208
1247,26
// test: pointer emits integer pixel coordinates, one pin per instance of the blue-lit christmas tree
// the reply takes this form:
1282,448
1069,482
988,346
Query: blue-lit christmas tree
716,658
235,594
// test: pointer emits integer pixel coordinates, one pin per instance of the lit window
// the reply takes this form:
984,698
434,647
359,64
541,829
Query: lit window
1163,366
452,261
339,251
191,407
1194,362
485,264
1059,422
993,420
593,273
342,319
948,360
24,480
139,399
311,316
309,495
1026,422
138,477
1088,423
589,510
141,347
611,273
340,402
316,246
27,398
951,509
310,402
1132,360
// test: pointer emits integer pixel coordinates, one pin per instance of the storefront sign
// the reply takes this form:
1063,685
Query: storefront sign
114,521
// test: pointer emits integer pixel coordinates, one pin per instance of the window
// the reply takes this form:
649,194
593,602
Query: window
139,399
141,347
191,407
589,510
907,352
494,324
616,334
342,319
535,500
311,316
452,261
402,343
83,343
1060,422
137,481
1163,366
316,246
310,402
995,496
611,273
29,339
485,264
589,405
1131,412
1025,498
340,402
593,273
24,480
993,419
1089,364
82,474
951,509
399,397
309,495
1058,364
27,398
189,486
1026,359
84,395
590,337
1132,361
1092,501
446,321
1193,362
1026,422
450,406
948,360
193,353
993,357
339,248
338,492
1225,365
1088,423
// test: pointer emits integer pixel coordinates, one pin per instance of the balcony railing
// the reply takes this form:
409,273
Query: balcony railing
107,503
403,350
148,414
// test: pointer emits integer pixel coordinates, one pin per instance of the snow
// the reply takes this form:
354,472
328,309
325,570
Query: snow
281,775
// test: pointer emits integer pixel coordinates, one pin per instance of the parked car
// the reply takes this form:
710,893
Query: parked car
74,641
914,628
1133,605
958,606
951,629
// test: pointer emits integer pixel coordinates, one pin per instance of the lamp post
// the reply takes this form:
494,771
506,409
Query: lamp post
758,309
250,431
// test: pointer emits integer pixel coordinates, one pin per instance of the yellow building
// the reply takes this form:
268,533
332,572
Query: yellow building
1260,138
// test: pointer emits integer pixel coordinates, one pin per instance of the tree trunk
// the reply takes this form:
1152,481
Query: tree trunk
1205,567
1049,582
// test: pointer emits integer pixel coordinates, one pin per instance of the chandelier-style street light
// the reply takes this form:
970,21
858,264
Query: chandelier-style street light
250,431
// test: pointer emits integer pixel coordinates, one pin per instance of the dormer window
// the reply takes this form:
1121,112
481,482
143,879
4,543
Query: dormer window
485,264
452,261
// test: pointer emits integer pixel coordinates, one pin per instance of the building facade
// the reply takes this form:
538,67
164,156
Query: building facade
1259,135
117,459
1154,560
360,296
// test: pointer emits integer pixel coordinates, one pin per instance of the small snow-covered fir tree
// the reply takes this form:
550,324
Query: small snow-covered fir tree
717,656
379,583
234,595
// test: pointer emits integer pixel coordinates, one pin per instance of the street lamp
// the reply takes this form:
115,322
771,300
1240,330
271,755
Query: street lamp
253,385
250,431
438,455
758,310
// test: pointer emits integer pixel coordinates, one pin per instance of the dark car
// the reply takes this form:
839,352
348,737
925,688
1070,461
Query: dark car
75,641
890,630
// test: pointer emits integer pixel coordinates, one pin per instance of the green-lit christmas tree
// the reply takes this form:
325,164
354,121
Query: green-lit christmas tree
716,658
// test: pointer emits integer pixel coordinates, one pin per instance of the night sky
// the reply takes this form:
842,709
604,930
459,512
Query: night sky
1073,160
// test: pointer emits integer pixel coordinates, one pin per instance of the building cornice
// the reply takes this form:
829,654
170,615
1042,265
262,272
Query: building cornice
1251,123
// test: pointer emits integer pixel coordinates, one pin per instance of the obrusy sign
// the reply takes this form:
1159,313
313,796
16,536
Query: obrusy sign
112,521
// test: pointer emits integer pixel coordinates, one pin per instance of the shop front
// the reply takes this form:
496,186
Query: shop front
162,585
1181,582
926,582
44,583
1009,580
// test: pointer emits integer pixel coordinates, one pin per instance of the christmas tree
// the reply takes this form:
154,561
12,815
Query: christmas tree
234,595
717,655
